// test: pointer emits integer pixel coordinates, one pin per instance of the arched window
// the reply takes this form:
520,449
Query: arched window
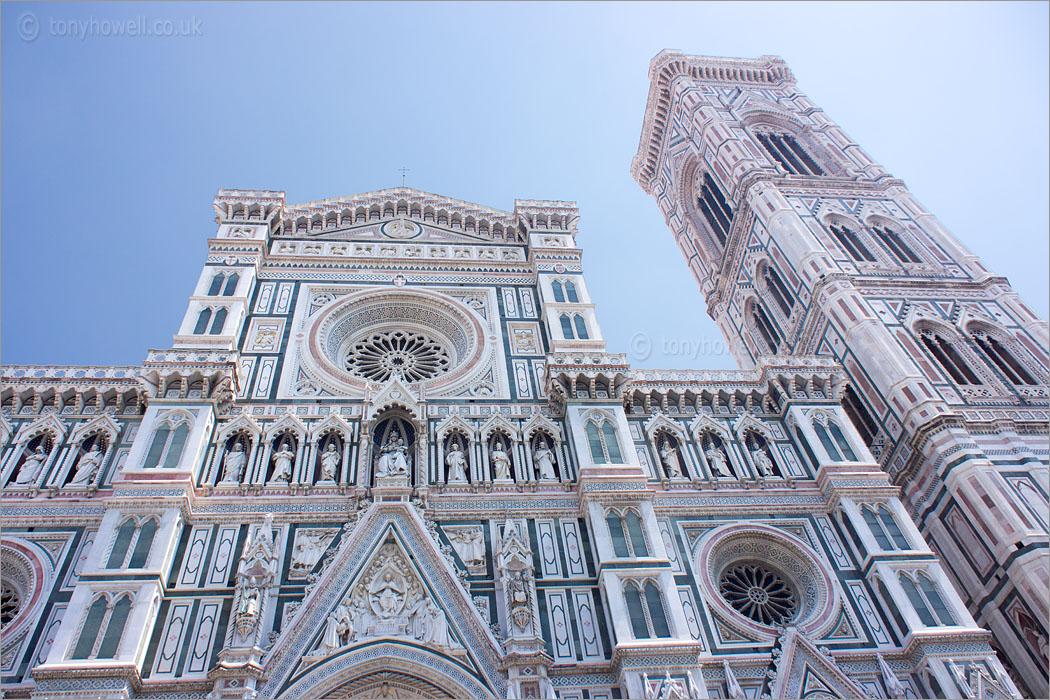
801,439
581,327
216,284
885,529
103,615
859,415
834,442
712,204
948,358
786,150
559,294
634,528
566,327
167,446
202,321
619,538
892,240
133,539
604,445
765,327
231,284
926,600
570,292
999,356
848,239
646,609
775,284
218,323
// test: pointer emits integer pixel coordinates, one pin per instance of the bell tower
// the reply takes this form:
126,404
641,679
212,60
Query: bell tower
802,244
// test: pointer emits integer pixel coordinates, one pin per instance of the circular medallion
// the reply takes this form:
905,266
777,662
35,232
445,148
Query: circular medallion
400,228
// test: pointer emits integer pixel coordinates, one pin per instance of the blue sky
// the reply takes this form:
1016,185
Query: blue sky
113,146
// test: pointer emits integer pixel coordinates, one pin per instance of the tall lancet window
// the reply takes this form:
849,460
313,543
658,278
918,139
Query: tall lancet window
559,293
716,210
765,327
892,240
778,290
851,243
948,358
786,151
999,356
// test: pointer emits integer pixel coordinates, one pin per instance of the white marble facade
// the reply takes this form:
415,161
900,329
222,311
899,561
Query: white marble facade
389,455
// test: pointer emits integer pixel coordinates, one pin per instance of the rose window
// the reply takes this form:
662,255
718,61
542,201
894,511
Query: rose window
407,355
759,593
10,602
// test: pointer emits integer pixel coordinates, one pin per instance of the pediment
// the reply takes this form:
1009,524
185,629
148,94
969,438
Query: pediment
803,670
387,587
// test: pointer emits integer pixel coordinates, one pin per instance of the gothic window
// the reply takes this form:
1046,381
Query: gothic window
926,600
834,442
581,327
859,415
765,327
779,291
559,293
169,440
605,447
716,210
997,355
107,616
646,609
216,284
202,322
801,439
570,293
218,322
884,527
892,240
132,544
627,534
759,593
948,357
566,327
231,284
789,153
851,243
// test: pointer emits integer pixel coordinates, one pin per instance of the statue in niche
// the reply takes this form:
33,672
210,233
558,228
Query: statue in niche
520,609
717,459
500,462
763,463
31,467
235,461
393,460
88,466
543,457
457,464
282,461
330,461
669,456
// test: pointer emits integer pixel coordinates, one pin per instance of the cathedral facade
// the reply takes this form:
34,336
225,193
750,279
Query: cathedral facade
802,244
388,454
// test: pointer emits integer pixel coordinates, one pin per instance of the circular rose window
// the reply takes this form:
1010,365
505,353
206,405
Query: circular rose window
411,335
10,604
759,593
408,356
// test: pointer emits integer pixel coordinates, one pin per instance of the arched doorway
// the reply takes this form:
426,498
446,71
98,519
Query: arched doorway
387,684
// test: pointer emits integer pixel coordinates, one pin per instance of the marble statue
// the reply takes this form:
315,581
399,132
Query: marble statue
763,463
717,459
457,464
434,626
282,460
87,466
544,460
330,460
470,544
500,462
235,461
337,629
393,459
31,467
669,456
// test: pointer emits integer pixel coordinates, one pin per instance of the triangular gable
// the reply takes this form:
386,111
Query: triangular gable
394,394
803,669
44,423
469,664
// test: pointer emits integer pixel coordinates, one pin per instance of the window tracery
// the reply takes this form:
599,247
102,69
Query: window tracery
884,527
603,441
646,608
169,441
926,599
786,150
132,544
103,628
